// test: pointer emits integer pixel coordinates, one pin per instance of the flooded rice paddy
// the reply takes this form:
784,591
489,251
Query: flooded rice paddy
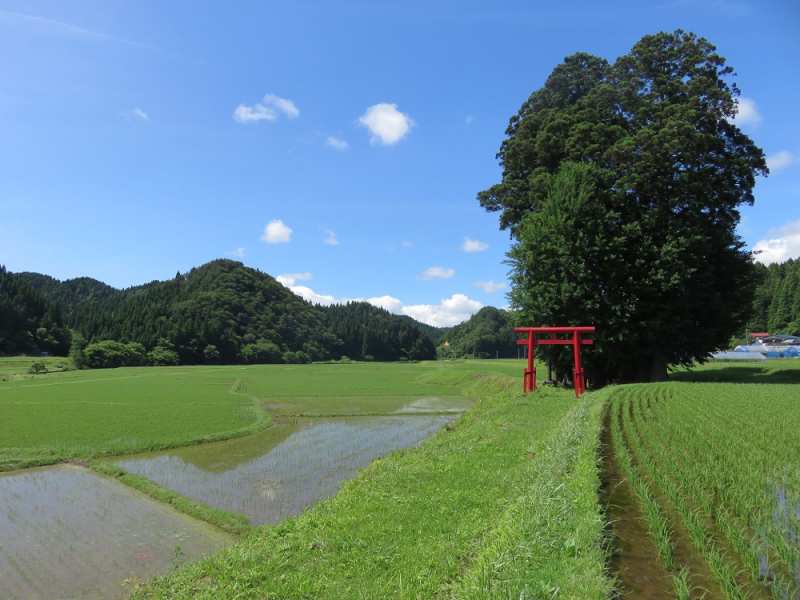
276,474
68,533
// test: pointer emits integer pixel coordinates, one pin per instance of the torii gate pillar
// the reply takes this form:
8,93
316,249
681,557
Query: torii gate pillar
529,378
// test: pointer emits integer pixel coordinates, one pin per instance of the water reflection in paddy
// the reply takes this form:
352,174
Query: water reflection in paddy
66,532
275,474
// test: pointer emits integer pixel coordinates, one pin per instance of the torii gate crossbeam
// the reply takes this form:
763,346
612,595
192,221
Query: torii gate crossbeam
529,380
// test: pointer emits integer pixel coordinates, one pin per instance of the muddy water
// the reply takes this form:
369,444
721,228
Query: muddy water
634,559
66,532
276,474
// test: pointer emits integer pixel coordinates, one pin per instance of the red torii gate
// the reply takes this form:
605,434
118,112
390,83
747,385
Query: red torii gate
529,380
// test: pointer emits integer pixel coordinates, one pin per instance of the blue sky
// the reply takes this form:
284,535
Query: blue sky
338,146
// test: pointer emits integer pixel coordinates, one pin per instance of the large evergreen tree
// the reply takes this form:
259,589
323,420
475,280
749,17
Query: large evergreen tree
641,242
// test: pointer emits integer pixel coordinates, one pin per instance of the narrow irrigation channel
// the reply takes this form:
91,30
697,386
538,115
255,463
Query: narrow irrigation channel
634,556
718,500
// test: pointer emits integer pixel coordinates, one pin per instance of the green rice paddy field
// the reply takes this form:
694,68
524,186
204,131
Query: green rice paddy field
700,476
84,414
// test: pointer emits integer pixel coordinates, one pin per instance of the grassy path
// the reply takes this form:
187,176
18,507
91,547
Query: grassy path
500,504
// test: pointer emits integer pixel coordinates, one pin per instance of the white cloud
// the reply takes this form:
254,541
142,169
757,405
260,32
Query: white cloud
451,311
267,110
436,273
311,296
287,107
386,124
138,113
239,253
135,114
276,232
289,279
471,245
335,142
331,240
469,119
393,305
406,244
490,287
249,114
781,160
748,112
782,247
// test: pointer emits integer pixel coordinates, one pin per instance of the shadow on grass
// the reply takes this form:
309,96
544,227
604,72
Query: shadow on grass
711,373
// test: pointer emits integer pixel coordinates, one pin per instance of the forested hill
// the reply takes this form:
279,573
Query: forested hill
776,308
72,293
29,322
372,333
227,313
489,333
435,333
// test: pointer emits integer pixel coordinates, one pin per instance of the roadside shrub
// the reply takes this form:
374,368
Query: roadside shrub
211,354
261,353
109,354
162,357
37,367
296,358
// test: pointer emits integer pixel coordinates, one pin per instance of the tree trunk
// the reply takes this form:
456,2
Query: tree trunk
658,368
651,368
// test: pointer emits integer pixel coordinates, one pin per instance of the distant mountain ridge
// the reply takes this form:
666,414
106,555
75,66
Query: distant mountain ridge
226,312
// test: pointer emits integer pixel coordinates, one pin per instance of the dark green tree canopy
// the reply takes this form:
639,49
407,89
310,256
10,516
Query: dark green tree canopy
641,239
29,321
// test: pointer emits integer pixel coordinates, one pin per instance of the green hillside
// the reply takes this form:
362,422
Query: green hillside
29,321
488,334
220,313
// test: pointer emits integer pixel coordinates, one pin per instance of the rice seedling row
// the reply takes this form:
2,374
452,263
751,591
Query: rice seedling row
727,458
656,520
750,503
714,506
666,473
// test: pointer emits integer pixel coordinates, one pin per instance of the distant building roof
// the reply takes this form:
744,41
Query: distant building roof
757,356
775,340
759,334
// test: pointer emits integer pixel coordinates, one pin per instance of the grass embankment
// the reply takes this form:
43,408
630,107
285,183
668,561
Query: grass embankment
502,503
716,467
227,521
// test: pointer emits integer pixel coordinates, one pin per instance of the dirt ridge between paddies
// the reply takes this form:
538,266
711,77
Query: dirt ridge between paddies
501,503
